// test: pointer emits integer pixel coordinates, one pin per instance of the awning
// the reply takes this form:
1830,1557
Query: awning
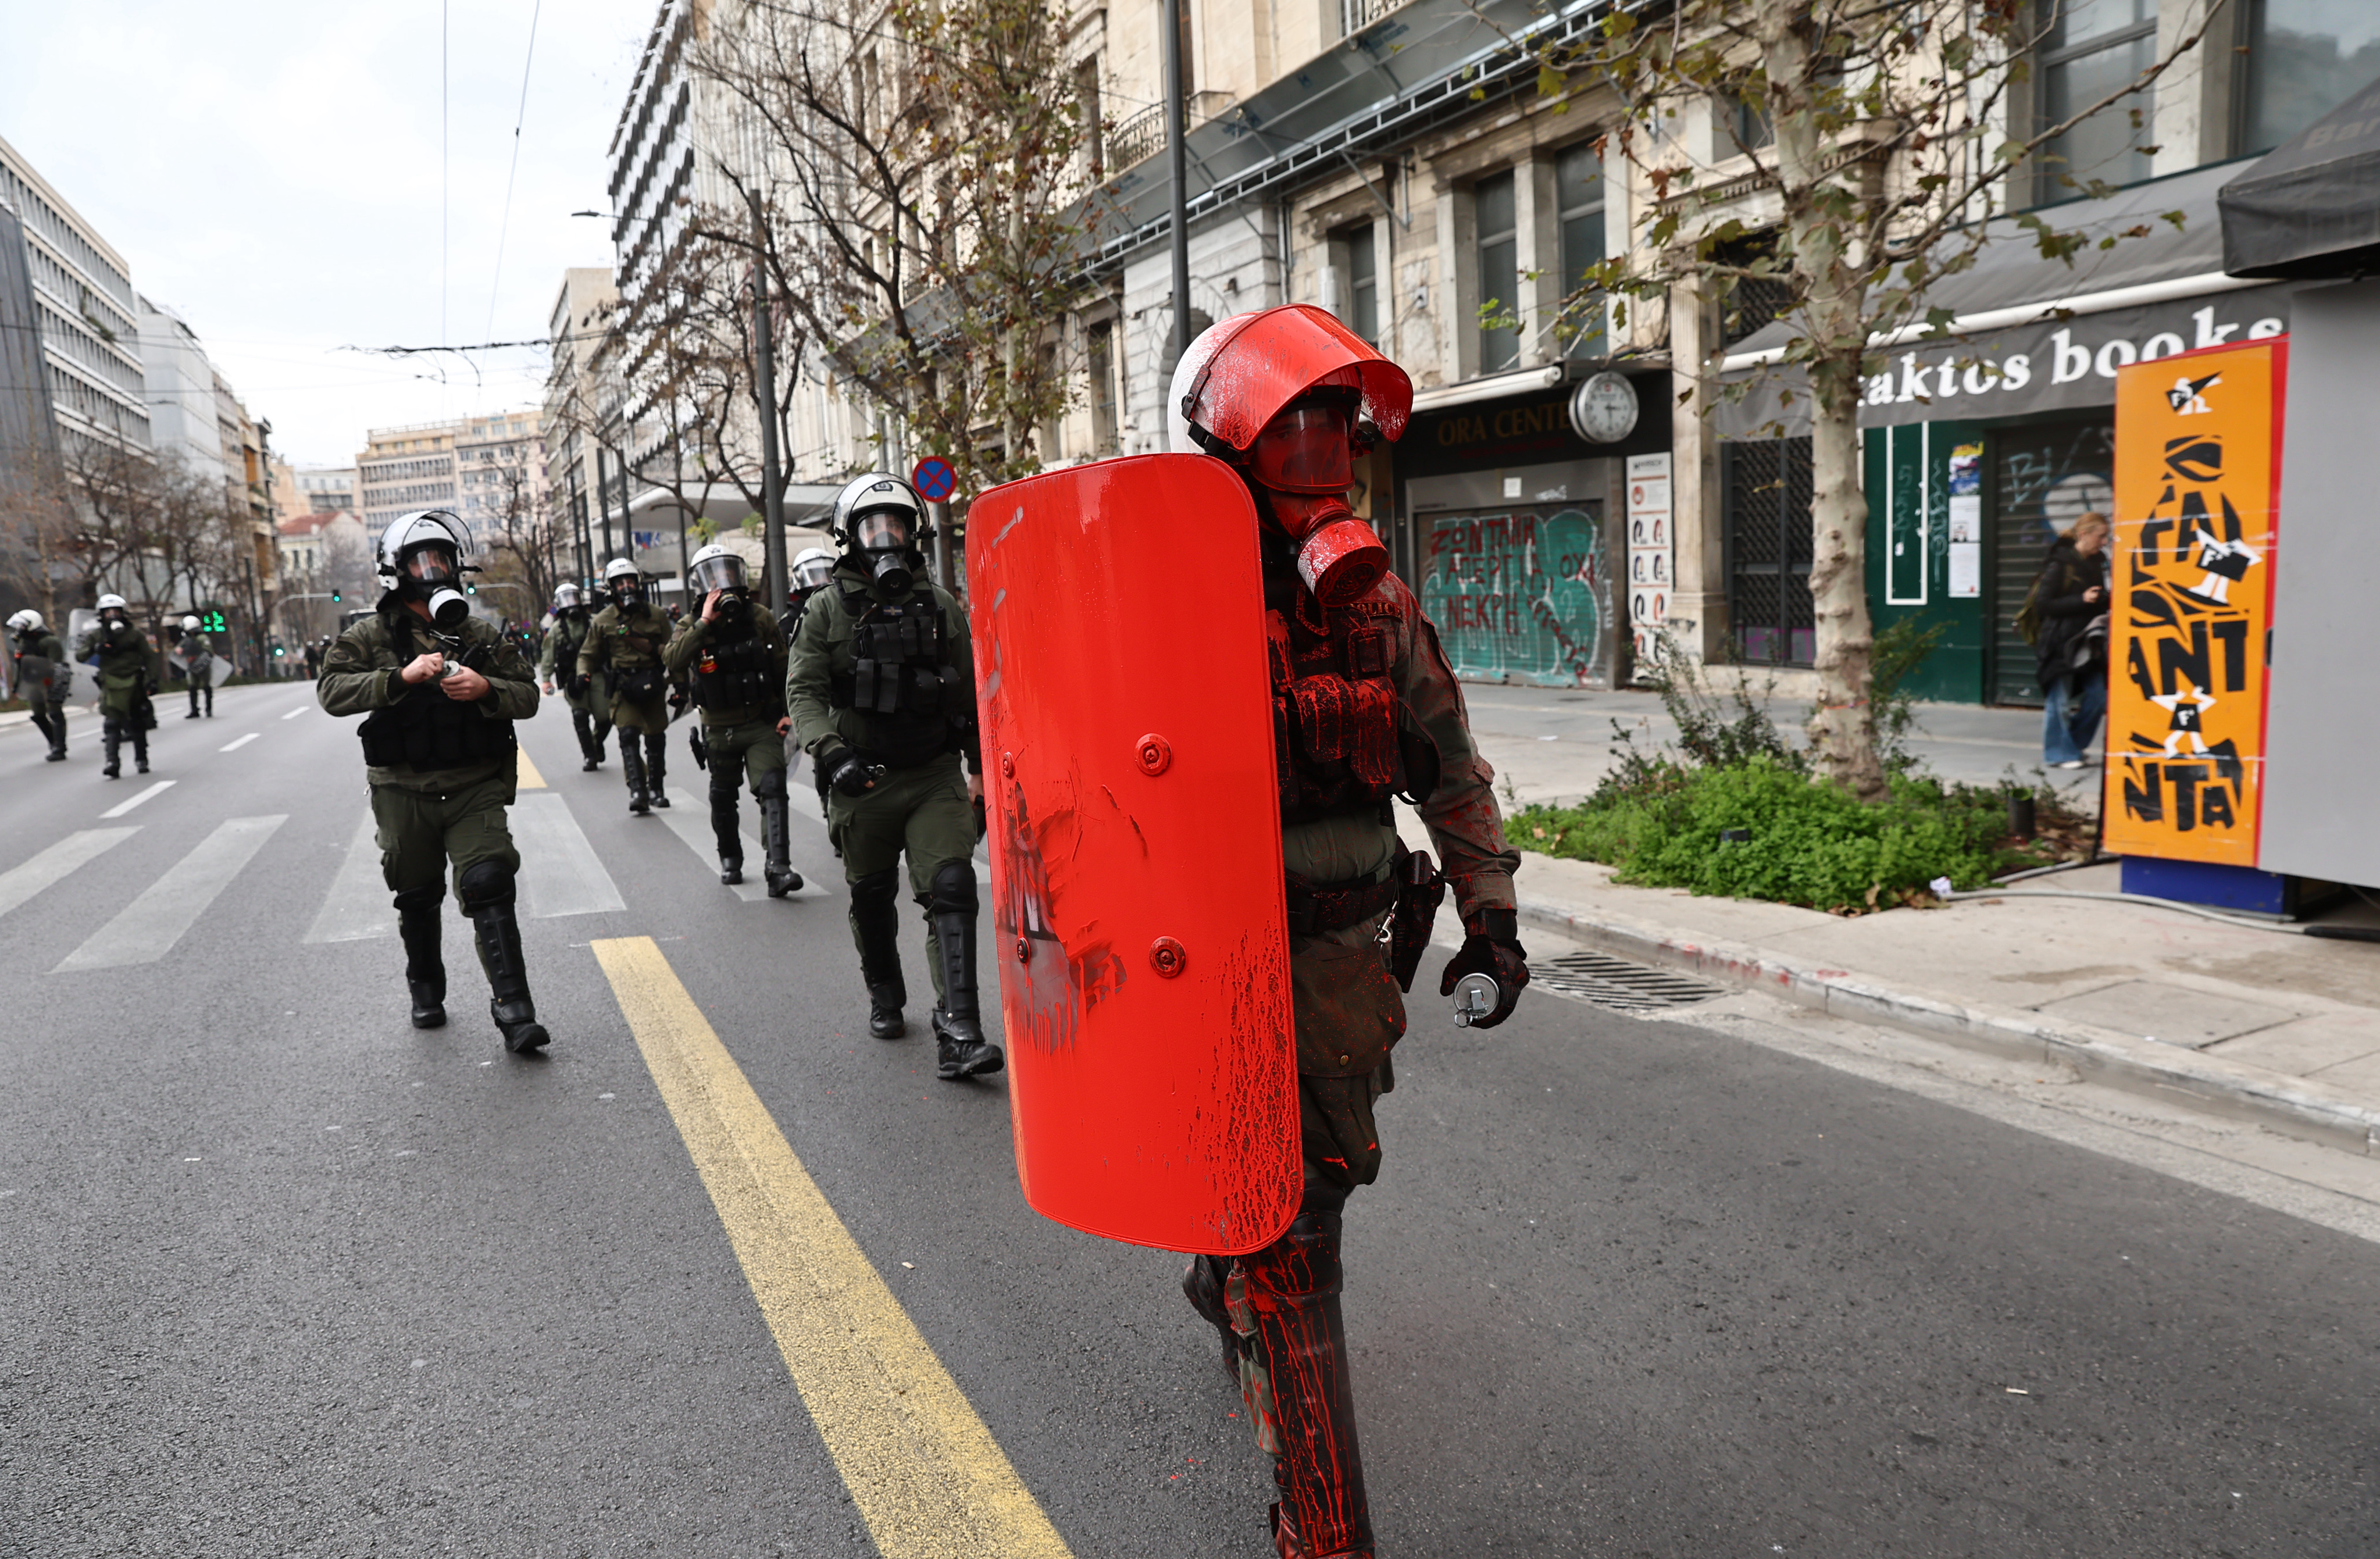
2033,334
2311,207
723,503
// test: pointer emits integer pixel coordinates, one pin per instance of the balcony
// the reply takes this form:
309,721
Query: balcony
1143,135
1357,15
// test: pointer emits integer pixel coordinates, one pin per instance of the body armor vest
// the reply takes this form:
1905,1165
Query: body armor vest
914,704
425,730
1343,741
731,672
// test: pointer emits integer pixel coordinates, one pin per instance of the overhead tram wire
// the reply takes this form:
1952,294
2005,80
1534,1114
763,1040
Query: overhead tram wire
520,119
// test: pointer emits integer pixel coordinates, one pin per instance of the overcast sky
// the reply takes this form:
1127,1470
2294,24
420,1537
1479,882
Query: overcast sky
272,171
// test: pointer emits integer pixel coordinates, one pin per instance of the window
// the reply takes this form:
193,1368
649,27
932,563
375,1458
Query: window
1052,426
1362,314
1578,200
2303,58
2095,48
1499,271
1103,402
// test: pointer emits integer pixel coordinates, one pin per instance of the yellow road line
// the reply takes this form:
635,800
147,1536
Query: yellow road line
923,1470
525,777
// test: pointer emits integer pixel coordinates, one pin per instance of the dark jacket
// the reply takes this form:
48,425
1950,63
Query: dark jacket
2066,574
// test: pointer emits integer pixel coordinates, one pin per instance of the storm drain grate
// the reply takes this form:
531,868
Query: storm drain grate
1616,983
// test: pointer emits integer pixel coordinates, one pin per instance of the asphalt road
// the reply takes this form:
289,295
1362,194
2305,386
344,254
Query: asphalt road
284,1276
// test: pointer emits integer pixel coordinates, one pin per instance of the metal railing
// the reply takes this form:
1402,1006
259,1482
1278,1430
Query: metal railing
1143,135
1357,15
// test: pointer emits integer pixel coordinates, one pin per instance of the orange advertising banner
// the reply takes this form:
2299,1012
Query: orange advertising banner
2197,499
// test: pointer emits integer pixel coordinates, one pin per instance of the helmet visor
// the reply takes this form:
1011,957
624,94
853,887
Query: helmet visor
814,573
1305,449
718,573
432,565
883,530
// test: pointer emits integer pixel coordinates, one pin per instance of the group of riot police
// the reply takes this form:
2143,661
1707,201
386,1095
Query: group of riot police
126,664
872,677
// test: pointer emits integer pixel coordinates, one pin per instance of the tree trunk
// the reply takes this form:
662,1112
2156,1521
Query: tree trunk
1842,727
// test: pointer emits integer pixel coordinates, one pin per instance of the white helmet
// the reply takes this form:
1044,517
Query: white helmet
189,625
620,568
26,621
814,568
876,493
421,530
566,596
715,568
113,602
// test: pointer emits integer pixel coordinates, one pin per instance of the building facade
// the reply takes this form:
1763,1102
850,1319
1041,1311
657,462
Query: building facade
86,311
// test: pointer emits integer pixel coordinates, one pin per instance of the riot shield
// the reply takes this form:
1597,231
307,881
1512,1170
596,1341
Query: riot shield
1135,831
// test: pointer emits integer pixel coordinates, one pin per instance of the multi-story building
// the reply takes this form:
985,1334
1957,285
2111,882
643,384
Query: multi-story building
576,406
405,469
489,469
318,489
84,309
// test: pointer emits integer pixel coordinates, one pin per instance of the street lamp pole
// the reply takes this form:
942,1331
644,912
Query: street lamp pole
1177,174
764,374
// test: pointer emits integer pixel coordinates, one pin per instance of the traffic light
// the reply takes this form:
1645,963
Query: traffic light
471,589
211,621
334,598
277,651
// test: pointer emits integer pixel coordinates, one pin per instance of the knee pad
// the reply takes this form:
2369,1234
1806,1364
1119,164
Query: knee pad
877,890
954,889
484,884
413,899
770,786
724,782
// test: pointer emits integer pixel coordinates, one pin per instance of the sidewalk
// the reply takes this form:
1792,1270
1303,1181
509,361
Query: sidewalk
2264,1026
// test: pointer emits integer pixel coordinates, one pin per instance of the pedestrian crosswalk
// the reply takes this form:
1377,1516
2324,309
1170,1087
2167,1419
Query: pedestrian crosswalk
560,875
146,929
20,883
690,819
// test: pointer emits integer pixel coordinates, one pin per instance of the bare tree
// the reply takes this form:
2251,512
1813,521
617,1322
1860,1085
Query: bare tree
1873,139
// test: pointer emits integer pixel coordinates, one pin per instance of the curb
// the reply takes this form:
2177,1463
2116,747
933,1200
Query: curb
2295,1106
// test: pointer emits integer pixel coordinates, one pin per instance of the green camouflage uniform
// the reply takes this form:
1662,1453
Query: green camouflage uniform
41,657
921,808
735,666
127,674
627,641
590,704
742,739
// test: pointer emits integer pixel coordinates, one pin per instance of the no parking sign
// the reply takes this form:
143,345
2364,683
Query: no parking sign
934,478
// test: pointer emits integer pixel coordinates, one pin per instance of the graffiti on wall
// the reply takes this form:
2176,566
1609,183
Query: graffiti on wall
2197,489
1523,596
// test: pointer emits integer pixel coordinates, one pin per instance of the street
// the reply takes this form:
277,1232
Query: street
286,1276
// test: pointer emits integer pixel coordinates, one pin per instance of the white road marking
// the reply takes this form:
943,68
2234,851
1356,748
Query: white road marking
358,905
52,865
295,712
560,871
240,742
690,820
117,810
148,927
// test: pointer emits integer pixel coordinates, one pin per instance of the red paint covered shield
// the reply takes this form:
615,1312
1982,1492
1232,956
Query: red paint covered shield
1134,813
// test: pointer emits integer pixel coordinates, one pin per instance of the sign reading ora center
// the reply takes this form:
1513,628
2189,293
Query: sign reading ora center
2197,498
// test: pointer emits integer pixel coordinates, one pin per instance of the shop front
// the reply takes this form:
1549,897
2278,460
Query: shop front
1512,524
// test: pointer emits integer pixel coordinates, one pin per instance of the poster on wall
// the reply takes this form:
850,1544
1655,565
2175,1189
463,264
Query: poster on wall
1523,596
1966,517
2197,501
1651,553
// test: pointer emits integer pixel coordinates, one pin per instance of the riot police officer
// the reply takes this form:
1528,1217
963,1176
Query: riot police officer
126,679
440,691
197,667
733,654
812,569
882,692
590,713
41,677
624,646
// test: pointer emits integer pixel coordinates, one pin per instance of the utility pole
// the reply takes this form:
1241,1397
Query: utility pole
764,386
1177,115
603,502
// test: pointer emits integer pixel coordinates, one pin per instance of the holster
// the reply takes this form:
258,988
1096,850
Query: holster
701,748
1421,888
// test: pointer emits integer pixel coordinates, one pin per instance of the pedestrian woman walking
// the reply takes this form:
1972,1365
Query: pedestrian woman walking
2069,608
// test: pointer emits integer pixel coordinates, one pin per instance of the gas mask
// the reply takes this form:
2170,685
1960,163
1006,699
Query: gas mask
1302,460
627,591
883,536
432,573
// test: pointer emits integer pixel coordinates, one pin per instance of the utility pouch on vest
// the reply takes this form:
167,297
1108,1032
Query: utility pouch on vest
637,684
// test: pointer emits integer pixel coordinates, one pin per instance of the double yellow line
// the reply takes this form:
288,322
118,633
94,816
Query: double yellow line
923,1470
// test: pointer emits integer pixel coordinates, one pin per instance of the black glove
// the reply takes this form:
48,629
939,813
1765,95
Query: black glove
1492,948
848,772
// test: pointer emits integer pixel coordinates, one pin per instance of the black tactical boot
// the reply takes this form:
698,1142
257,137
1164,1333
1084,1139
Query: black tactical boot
509,1004
1300,1348
111,742
425,968
774,842
725,827
958,1031
656,766
139,750
876,926
589,752
1204,1286
632,766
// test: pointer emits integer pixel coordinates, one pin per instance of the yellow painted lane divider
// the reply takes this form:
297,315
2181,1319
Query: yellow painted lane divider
923,1470
525,776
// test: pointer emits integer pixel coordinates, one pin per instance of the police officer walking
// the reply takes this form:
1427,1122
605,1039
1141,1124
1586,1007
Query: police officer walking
882,692
590,713
440,691
41,675
127,678
197,667
734,655
624,646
